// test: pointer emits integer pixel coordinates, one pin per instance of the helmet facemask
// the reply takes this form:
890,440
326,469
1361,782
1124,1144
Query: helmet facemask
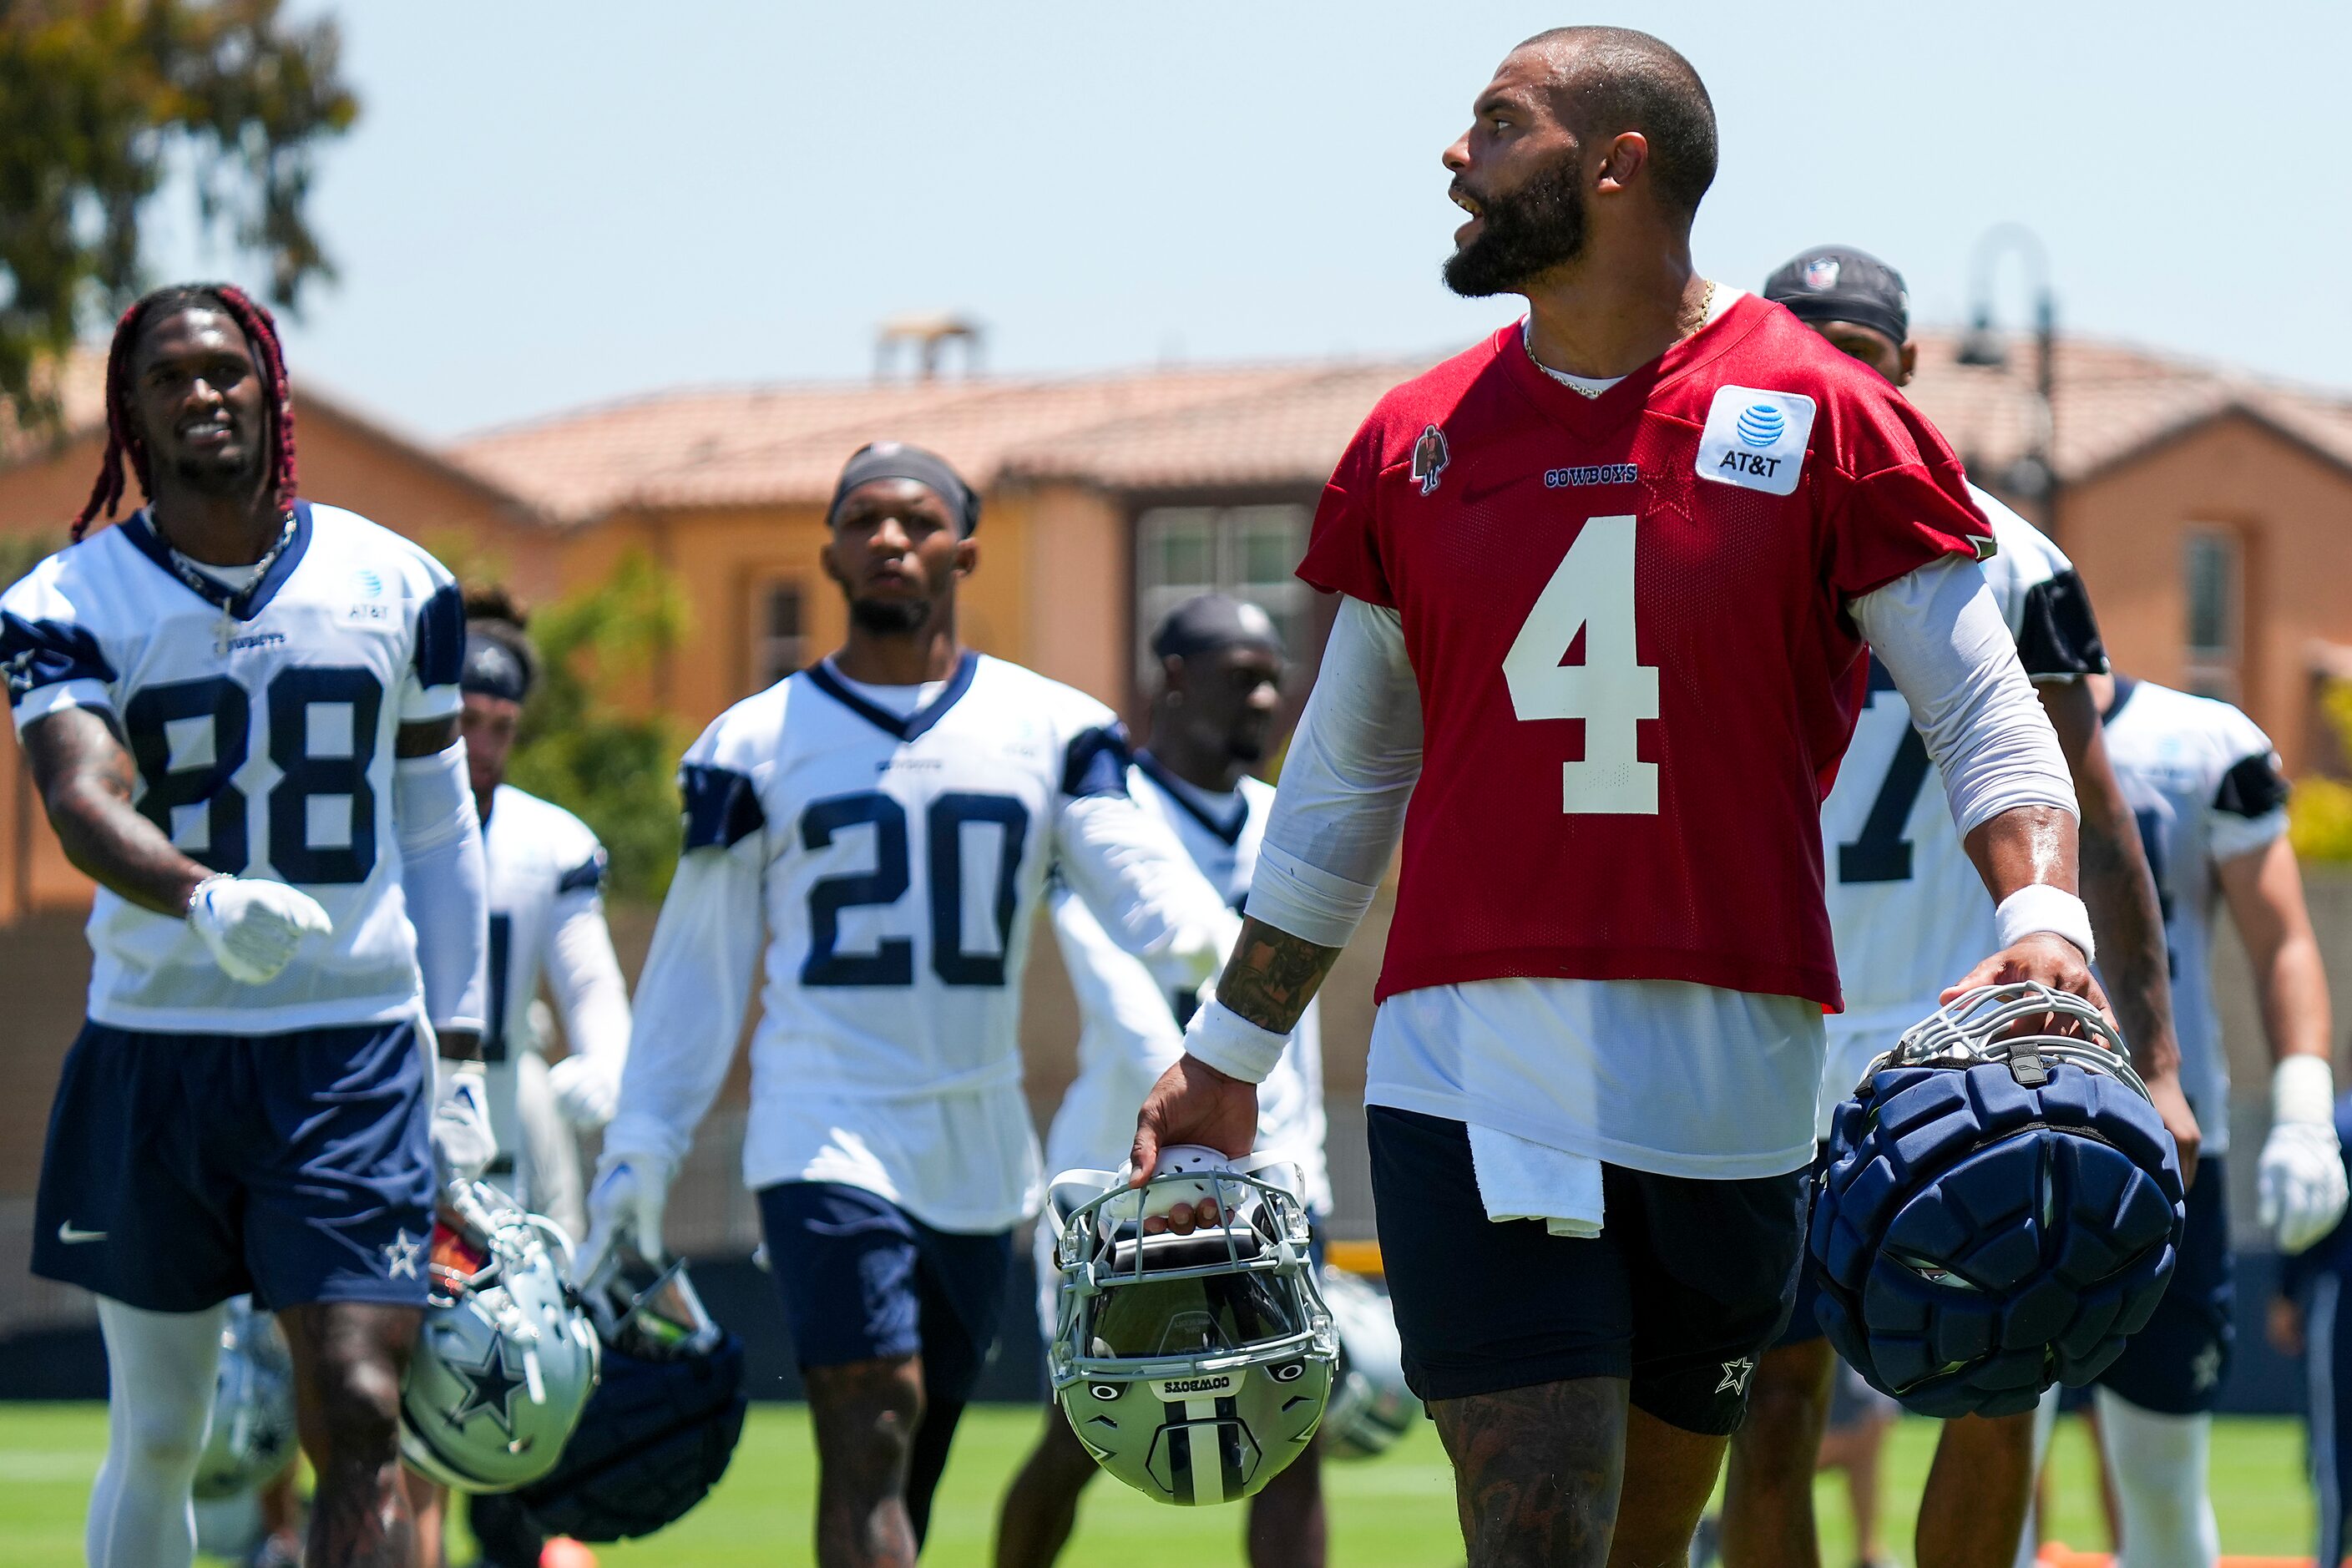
1193,1366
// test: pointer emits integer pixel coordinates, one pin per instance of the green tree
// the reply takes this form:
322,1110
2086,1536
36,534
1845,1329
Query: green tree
617,771
101,103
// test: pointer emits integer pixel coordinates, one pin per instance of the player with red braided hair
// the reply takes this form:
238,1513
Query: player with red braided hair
240,708
123,441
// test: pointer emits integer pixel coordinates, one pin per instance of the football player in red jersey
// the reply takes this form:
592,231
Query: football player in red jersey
1606,580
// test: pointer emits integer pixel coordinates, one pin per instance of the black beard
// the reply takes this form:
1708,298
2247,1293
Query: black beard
1526,234
1246,749
890,618
215,477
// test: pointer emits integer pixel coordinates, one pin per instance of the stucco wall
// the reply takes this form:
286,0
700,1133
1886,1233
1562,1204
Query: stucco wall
2126,530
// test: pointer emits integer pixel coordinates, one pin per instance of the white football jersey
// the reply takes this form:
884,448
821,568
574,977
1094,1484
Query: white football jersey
262,723
2202,780
1909,914
1131,1031
545,868
900,856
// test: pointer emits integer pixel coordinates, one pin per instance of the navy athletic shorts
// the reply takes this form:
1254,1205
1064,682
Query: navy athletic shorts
183,1170
1804,1326
1687,1283
863,1279
2177,1364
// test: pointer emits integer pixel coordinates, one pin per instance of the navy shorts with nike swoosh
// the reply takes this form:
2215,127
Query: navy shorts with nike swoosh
183,1170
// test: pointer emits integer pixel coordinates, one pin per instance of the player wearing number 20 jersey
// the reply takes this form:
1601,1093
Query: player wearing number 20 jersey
889,816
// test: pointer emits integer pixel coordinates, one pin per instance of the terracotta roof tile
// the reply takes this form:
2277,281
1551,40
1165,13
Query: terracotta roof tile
758,444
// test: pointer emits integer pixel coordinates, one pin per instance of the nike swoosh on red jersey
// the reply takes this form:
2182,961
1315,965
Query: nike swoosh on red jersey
1472,498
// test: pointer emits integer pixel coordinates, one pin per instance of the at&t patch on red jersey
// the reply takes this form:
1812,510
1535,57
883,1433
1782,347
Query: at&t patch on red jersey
1624,616
1756,439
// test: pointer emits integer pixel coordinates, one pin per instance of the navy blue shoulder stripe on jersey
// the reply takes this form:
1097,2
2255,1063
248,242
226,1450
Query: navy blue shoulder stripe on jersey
2060,635
2250,788
139,530
1181,793
914,725
589,875
35,654
722,807
441,637
1095,761
2124,687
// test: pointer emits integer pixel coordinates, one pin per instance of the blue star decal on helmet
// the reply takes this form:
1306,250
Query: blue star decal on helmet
489,1388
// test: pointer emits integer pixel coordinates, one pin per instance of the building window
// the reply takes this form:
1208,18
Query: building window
1249,552
2210,569
779,632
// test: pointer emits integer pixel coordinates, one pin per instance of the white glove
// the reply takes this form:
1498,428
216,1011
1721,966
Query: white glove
462,1140
587,1090
625,1206
1194,955
253,926
2301,1181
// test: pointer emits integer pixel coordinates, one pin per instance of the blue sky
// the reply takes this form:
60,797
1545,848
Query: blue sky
546,206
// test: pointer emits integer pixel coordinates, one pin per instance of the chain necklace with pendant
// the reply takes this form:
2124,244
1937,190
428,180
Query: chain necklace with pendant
205,585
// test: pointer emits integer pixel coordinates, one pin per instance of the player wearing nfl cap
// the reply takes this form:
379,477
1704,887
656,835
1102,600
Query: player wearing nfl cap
1608,579
240,708
1221,665
1904,917
2210,801
889,815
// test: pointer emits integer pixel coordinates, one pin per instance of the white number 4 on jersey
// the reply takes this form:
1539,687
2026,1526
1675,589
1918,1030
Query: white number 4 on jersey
1611,691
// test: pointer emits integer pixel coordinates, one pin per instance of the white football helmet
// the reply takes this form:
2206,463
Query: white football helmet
1193,1367
252,1433
507,1359
1370,1408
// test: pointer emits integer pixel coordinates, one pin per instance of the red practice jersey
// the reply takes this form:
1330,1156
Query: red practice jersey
1626,615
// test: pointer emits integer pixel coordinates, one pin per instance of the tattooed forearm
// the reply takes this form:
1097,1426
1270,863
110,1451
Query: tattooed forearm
2117,884
85,776
1273,975
2121,895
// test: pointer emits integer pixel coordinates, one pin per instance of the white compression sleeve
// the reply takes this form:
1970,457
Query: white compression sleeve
696,985
1345,785
585,977
2158,1464
160,1369
443,874
1940,634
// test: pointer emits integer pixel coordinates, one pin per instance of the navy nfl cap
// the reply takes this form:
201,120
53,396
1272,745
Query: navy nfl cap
1836,283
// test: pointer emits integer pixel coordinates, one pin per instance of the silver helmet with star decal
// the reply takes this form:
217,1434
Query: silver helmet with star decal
507,1358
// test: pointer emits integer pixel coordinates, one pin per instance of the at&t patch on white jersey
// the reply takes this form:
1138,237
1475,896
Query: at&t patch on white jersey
261,721
1909,914
1131,1030
2202,781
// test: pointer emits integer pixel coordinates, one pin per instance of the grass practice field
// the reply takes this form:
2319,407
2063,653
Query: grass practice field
1396,1511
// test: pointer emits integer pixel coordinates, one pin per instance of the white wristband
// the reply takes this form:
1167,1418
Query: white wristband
2303,1088
1232,1044
2039,907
